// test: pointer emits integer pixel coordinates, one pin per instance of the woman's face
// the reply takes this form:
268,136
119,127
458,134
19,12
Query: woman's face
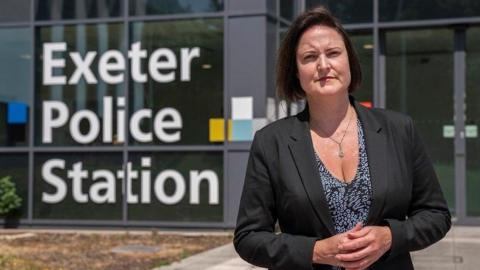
322,62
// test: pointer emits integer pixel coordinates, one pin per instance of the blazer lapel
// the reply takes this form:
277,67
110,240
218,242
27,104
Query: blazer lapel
376,145
301,149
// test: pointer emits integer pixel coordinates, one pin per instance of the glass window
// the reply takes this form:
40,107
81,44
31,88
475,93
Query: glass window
184,89
80,85
15,166
472,121
14,10
153,7
77,9
177,186
272,6
287,9
419,80
363,44
427,9
348,11
78,186
15,89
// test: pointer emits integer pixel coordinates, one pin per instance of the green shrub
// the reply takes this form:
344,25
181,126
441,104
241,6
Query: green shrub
9,200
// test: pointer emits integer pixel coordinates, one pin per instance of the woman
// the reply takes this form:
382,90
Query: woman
350,187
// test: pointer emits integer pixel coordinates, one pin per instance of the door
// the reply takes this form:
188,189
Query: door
472,122
419,70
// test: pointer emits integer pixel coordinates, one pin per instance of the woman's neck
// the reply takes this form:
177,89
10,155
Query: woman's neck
328,112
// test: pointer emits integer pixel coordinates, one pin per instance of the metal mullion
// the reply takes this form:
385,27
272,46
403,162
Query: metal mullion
149,148
382,67
84,223
226,96
178,224
359,26
21,149
79,149
459,122
126,17
279,27
378,88
174,148
283,20
78,21
79,222
428,23
171,17
14,24
126,32
249,14
31,125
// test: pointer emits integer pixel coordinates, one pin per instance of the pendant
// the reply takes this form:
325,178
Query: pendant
340,152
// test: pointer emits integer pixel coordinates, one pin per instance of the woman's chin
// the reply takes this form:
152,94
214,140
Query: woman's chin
328,91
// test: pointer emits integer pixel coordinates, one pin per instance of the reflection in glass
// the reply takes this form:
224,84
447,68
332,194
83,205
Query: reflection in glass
348,11
182,186
15,86
427,9
15,10
152,7
14,165
472,121
363,44
193,83
78,186
77,9
419,78
80,88
287,9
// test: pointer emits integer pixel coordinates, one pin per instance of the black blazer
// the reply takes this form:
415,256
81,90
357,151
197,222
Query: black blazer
282,184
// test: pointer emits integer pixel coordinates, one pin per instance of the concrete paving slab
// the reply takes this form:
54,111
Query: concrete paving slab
459,250
136,249
223,257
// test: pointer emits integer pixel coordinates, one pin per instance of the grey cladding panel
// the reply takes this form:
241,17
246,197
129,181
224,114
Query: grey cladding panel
247,6
247,64
237,165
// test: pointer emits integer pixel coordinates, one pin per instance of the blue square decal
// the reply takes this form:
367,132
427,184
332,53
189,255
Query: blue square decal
242,130
16,113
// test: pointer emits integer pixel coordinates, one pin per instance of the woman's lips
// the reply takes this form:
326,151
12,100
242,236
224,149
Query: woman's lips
326,78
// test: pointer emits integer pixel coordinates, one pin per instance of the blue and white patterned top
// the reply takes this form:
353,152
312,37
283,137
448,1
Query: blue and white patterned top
349,203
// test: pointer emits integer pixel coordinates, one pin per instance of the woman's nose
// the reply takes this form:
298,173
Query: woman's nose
322,63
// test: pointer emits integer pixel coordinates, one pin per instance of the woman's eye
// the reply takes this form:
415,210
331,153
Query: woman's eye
334,53
309,57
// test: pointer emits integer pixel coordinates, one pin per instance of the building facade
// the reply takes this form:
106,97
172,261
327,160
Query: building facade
141,112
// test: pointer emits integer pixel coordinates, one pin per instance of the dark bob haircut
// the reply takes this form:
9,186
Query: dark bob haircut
288,85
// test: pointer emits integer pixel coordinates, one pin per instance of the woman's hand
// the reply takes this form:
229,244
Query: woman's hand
363,247
325,251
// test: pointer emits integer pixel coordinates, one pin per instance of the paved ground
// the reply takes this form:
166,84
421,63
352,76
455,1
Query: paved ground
459,250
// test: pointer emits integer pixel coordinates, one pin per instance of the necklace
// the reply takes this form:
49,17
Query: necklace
341,154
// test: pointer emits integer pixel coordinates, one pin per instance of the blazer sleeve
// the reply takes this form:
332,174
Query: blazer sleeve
428,218
255,239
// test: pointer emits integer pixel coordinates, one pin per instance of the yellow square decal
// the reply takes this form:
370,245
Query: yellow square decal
216,130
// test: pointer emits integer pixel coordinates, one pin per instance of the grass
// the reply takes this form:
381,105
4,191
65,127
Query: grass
3,260
72,251
185,254
160,262
163,262
11,262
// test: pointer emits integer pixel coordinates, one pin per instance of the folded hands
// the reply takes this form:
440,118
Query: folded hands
355,249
